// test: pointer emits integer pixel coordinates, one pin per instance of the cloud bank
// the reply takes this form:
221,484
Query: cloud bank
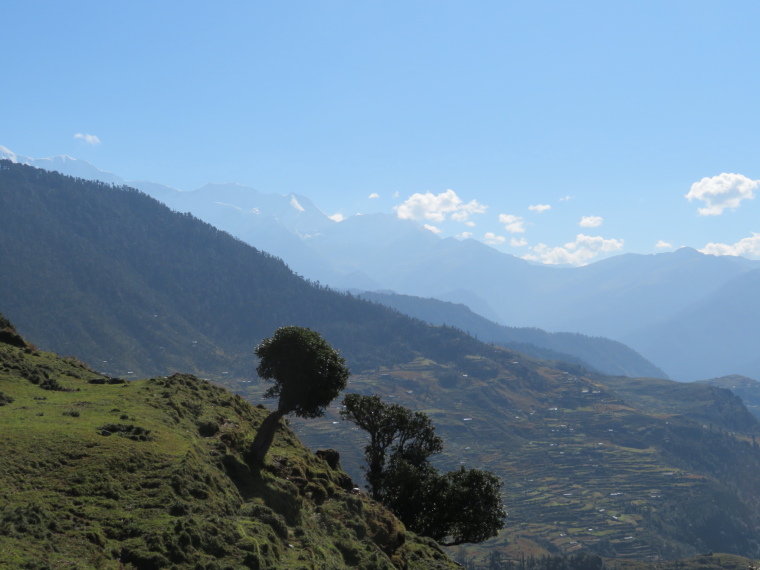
725,191
513,224
747,247
492,239
429,206
579,252
590,221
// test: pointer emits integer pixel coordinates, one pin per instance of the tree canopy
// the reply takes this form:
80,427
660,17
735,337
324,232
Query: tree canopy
307,373
392,429
452,508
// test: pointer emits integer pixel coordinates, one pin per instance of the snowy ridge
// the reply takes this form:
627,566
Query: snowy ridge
65,165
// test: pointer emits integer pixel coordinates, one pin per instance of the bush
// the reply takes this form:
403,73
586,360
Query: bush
135,433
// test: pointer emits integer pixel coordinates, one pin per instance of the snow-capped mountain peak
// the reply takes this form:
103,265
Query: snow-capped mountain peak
295,204
65,165
6,154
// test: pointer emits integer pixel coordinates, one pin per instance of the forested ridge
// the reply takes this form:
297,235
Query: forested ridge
192,296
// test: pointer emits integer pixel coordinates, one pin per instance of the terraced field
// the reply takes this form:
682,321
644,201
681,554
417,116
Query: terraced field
583,467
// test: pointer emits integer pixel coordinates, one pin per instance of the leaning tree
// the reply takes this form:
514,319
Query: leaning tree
307,373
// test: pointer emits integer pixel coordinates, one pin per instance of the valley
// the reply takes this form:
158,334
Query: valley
583,467
630,468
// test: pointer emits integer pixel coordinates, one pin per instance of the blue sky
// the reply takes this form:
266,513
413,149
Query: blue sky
462,115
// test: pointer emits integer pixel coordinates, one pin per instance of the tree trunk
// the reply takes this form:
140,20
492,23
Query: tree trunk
375,478
264,438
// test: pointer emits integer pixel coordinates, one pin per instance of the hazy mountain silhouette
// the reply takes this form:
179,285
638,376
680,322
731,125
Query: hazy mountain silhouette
724,326
600,354
630,298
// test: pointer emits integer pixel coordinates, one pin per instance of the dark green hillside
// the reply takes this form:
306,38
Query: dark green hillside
703,402
101,473
601,354
746,388
115,278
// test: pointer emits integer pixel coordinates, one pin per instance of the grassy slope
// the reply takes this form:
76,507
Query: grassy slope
175,492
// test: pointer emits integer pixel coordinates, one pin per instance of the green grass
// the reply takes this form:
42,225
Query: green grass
148,474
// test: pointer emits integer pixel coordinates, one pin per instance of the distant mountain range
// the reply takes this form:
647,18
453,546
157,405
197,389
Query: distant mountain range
625,467
63,164
164,318
692,315
648,302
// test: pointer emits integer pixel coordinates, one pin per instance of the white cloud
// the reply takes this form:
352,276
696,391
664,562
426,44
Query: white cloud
514,242
460,216
373,195
470,224
429,206
89,139
747,247
725,191
465,235
395,195
337,217
433,229
513,224
590,221
492,239
566,198
540,208
662,244
579,252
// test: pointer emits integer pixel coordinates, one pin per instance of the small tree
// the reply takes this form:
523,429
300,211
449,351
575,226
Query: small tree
472,508
452,508
392,429
307,373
